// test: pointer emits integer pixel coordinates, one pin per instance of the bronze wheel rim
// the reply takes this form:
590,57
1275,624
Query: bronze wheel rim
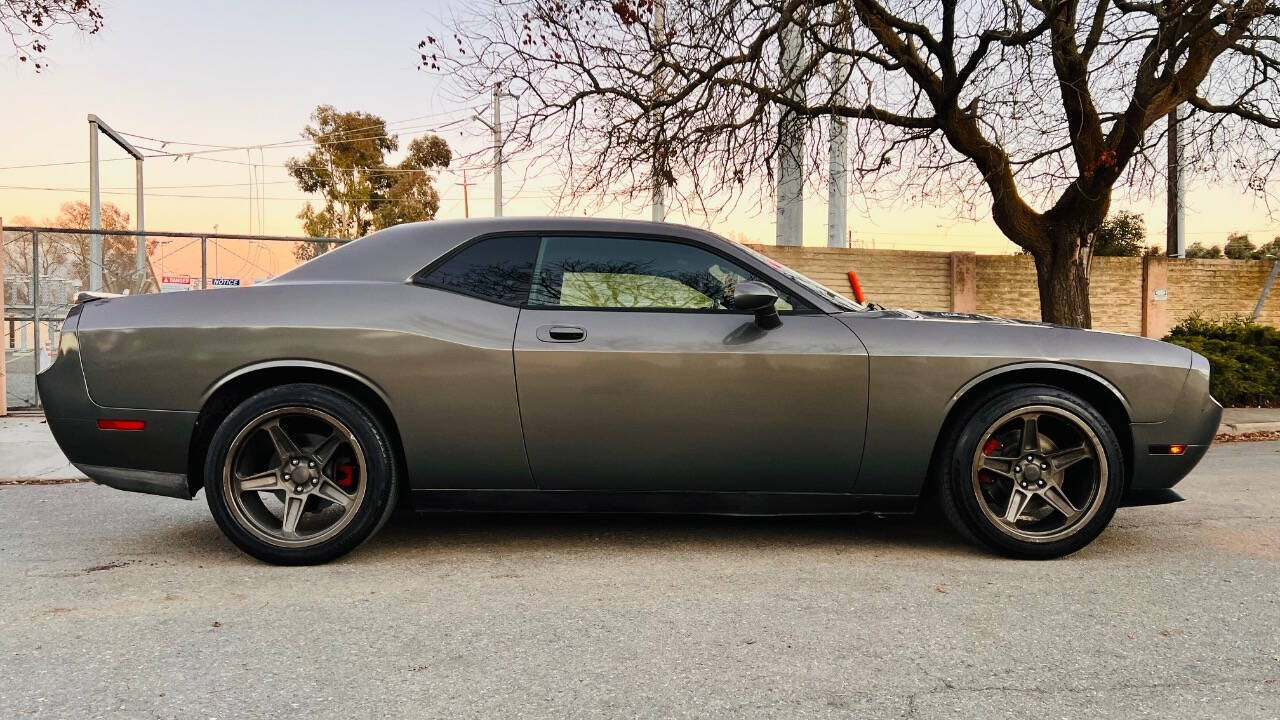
294,477
1039,474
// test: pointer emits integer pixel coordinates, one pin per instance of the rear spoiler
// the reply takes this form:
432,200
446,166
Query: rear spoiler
90,296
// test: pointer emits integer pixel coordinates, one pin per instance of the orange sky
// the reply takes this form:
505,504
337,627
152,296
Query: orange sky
250,73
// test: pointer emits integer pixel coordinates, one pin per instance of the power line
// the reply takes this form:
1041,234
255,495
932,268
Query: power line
386,125
307,142
223,197
57,164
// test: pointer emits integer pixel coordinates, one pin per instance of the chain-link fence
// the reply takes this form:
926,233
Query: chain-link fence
44,268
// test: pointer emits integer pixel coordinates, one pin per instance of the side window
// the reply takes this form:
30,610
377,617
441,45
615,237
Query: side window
497,269
611,272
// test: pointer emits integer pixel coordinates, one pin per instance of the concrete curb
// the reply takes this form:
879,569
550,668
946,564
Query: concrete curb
1248,427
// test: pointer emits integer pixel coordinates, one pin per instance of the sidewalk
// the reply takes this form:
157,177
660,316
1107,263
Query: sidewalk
28,451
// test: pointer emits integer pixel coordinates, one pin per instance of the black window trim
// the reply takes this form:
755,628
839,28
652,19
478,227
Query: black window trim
746,261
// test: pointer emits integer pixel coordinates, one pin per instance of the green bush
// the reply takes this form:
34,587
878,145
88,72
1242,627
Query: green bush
1244,357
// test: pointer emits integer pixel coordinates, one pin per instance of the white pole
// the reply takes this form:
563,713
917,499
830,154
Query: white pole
790,149
140,272
95,212
497,150
838,191
658,36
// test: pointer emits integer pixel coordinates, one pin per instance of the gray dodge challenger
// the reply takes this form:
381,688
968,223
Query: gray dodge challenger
567,365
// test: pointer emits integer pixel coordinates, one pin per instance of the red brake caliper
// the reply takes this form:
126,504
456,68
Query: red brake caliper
346,476
991,447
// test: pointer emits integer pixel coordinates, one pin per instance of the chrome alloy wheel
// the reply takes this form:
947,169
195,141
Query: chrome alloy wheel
1039,473
294,477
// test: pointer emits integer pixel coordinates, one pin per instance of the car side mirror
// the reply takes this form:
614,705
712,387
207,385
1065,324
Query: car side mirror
760,299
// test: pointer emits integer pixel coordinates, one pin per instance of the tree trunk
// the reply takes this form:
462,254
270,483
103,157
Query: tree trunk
1063,277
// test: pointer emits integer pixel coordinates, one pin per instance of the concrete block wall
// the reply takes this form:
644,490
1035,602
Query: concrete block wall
1218,288
893,278
1141,296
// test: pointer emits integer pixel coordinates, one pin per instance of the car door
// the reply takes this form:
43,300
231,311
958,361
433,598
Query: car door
633,373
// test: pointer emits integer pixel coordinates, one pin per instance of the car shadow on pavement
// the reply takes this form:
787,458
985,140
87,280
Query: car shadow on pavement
440,537
438,534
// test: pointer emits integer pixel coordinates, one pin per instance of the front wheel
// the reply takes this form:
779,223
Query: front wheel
300,474
1031,472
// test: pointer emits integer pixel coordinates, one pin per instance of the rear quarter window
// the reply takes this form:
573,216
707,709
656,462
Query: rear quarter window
499,269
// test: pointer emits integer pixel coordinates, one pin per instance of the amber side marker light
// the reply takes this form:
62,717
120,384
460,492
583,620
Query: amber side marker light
121,424
1177,449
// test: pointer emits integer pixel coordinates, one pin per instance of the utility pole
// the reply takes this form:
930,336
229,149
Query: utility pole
658,36
497,149
1175,231
466,199
791,130
496,128
838,190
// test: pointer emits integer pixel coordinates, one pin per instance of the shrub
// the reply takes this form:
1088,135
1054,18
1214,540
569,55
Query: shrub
1244,357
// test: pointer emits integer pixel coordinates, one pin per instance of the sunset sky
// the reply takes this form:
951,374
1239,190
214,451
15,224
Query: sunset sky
251,73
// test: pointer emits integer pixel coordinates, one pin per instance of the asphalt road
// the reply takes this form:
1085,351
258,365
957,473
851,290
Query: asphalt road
125,606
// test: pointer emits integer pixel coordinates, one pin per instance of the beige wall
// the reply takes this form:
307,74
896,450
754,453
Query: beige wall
897,278
1006,284
1221,287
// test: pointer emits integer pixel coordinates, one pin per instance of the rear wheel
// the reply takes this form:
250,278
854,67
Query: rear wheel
1032,472
300,474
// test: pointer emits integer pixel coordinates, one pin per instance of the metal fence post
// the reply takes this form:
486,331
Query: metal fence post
35,315
204,263
4,336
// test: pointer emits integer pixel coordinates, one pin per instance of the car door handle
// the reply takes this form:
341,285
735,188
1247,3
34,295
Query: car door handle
561,334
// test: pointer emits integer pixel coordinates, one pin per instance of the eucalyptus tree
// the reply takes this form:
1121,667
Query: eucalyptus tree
348,168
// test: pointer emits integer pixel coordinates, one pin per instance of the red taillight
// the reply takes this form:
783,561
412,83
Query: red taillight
104,424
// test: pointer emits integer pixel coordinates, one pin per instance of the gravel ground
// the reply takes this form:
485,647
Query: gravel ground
127,606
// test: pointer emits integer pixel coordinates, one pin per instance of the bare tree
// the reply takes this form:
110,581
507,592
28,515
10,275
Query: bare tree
1040,107
31,23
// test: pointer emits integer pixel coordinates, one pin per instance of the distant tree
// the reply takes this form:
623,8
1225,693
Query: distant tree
348,168
1123,234
30,24
119,252
1238,247
1039,108
1197,251
68,254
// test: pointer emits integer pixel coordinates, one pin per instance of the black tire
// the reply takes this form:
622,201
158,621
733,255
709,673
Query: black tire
956,484
380,477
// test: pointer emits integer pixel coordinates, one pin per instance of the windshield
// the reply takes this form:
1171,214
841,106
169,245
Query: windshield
813,286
